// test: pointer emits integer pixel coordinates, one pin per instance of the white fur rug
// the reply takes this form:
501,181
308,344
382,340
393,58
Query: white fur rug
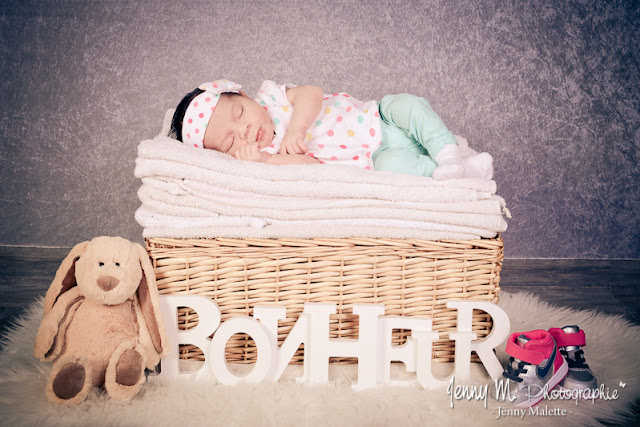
613,345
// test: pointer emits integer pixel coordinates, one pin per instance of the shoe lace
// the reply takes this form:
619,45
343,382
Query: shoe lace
575,359
513,373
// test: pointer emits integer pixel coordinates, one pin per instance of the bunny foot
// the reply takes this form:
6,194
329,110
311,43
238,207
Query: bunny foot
125,373
70,380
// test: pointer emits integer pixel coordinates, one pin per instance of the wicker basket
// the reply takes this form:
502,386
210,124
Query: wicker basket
411,277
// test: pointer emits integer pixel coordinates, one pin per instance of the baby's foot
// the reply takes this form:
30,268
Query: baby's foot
449,163
448,172
478,166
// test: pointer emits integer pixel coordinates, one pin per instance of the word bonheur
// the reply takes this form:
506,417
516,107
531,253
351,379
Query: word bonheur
373,348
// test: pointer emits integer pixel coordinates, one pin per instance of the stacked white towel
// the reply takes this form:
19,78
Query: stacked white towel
194,193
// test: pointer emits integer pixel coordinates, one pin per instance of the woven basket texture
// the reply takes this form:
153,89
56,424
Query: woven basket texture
410,277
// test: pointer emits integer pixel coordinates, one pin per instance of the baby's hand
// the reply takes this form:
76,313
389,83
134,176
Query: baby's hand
252,153
293,143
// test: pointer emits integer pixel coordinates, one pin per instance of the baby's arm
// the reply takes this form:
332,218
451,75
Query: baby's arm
292,159
307,102
252,153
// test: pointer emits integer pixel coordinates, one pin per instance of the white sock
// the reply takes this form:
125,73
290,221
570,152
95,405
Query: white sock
449,163
478,166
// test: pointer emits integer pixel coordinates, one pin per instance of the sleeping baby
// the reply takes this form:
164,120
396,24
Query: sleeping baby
287,124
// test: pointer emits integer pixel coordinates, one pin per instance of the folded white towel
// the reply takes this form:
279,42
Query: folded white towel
170,204
148,217
320,232
180,187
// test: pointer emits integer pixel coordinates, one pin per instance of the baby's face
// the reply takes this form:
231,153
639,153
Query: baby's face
238,121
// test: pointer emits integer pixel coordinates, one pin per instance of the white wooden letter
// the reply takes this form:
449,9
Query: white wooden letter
265,346
406,352
269,316
484,348
424,353
319,348
208,322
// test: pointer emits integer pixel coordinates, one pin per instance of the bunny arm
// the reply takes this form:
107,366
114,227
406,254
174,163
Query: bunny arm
60,340
47,344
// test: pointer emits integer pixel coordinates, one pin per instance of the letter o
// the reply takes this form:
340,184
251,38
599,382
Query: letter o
265,347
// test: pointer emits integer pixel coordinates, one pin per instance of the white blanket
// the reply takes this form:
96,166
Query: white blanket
227,226
189,192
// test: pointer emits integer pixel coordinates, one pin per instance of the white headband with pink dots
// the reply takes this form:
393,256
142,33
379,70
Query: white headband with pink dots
201,108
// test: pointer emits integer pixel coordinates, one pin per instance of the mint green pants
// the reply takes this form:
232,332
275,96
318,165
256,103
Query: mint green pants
412,135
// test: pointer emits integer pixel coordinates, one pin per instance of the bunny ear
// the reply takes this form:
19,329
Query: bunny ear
149,304
65,276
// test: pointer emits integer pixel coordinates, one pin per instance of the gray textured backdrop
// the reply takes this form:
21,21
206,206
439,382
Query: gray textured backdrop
550,88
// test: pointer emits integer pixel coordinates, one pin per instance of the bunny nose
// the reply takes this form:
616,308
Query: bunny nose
107,283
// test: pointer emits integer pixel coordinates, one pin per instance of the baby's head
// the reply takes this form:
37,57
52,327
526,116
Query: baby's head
219,116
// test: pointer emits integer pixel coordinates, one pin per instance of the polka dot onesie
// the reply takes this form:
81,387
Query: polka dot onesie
346,132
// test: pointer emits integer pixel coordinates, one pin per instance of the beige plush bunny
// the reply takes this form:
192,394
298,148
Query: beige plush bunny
101,322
